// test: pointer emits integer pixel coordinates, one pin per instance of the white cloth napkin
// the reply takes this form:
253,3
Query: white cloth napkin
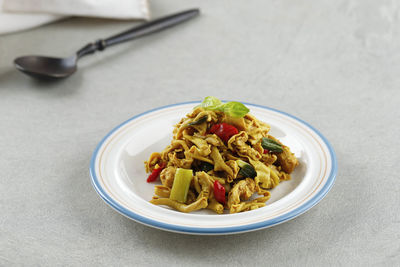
18,15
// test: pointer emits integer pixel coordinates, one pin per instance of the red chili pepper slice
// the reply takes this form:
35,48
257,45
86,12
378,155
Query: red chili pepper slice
224,131
214,128
219,192
155,173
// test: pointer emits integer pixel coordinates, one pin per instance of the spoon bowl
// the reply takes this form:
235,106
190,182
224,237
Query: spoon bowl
46,67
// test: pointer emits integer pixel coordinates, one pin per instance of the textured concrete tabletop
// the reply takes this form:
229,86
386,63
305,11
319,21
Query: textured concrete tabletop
335,64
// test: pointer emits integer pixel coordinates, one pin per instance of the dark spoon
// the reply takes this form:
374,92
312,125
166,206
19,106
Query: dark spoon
54,68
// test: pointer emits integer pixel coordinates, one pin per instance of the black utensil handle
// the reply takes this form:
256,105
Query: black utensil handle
139,31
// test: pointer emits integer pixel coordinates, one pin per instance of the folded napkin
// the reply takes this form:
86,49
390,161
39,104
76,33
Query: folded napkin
23,14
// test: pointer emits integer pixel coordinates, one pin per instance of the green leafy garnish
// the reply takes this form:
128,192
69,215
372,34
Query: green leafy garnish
235,109
232,109
211,103
199,121
246,170
271,145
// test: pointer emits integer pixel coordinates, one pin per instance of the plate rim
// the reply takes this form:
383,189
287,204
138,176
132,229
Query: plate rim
216,230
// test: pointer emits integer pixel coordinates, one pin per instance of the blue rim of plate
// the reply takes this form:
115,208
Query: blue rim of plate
220,230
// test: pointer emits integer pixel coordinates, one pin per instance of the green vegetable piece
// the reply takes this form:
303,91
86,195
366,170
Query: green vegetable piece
211,103
274,142
235,109
206,167
199,121
271,145
246,170
241,163
180,187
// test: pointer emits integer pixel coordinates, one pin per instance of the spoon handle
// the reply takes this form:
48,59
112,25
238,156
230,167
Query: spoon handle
139,31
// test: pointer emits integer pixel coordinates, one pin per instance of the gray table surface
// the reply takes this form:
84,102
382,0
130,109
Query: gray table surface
335,64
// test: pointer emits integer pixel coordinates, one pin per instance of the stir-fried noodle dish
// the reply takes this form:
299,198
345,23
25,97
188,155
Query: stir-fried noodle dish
220,158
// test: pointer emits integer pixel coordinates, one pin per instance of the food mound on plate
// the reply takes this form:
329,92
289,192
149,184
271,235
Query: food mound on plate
220,158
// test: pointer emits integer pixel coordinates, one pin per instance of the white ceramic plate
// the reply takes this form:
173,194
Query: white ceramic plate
118,174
